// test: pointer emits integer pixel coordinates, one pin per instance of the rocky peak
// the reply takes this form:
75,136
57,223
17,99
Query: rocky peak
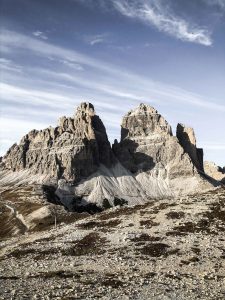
76,155
187,140
143,121
143,109
187,133
147,145
85,110
72,150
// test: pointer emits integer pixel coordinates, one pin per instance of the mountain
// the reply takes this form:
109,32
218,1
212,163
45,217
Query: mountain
77,161
72,150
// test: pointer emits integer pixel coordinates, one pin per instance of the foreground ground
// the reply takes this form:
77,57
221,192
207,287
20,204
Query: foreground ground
169,249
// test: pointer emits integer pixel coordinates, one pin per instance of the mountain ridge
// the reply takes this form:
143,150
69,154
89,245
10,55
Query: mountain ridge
77,158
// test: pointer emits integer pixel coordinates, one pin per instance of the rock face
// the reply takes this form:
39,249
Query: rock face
76,156
214,171
186,137
147,145
73,150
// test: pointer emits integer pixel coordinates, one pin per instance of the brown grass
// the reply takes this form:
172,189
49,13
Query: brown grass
148,223
175,215
155,249
91,244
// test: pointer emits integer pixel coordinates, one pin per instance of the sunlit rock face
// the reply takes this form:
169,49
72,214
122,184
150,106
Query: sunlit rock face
147,144
214,171
72,150
76,157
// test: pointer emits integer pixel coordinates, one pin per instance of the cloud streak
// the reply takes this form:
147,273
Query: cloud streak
40,35
95,39
121,83
45,93
152,12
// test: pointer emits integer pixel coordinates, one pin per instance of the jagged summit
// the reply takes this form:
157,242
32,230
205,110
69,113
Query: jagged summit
187,139
76,156
143,121
72,150
143,109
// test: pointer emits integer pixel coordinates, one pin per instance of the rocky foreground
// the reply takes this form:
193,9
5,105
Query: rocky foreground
165,249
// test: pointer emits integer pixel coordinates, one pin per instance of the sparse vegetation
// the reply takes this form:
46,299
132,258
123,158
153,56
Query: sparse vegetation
155,249
175,215
124,250
88,245
148,223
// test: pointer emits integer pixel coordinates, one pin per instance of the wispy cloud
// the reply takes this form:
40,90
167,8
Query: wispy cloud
51,90
156,13
122,83
95,39
72,64
40,35
7,64
159,14
14,40
68,62
36,97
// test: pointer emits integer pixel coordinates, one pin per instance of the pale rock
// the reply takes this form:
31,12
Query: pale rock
76,156
186,137
214,171
72,150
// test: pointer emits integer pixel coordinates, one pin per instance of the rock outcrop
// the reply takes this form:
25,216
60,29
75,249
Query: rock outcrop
214,171
186,137
73,150
76,156
148,149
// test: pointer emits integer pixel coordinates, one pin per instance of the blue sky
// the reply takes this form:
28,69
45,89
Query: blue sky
116,54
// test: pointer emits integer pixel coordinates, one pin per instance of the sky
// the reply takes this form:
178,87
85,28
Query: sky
116,54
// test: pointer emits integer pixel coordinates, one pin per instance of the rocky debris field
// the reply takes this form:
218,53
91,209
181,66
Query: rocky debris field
165,249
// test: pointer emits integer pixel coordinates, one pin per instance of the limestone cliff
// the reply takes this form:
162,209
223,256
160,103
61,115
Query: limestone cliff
214,171
73,150
76,156
186,137
147,145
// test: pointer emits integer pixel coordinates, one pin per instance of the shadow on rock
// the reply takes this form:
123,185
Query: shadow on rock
130,158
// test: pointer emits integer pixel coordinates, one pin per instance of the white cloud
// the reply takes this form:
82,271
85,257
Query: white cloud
6,64
68,62
45,94
14,40
40,35
154,13
122,83
95,39
72,65
5,61
36,97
